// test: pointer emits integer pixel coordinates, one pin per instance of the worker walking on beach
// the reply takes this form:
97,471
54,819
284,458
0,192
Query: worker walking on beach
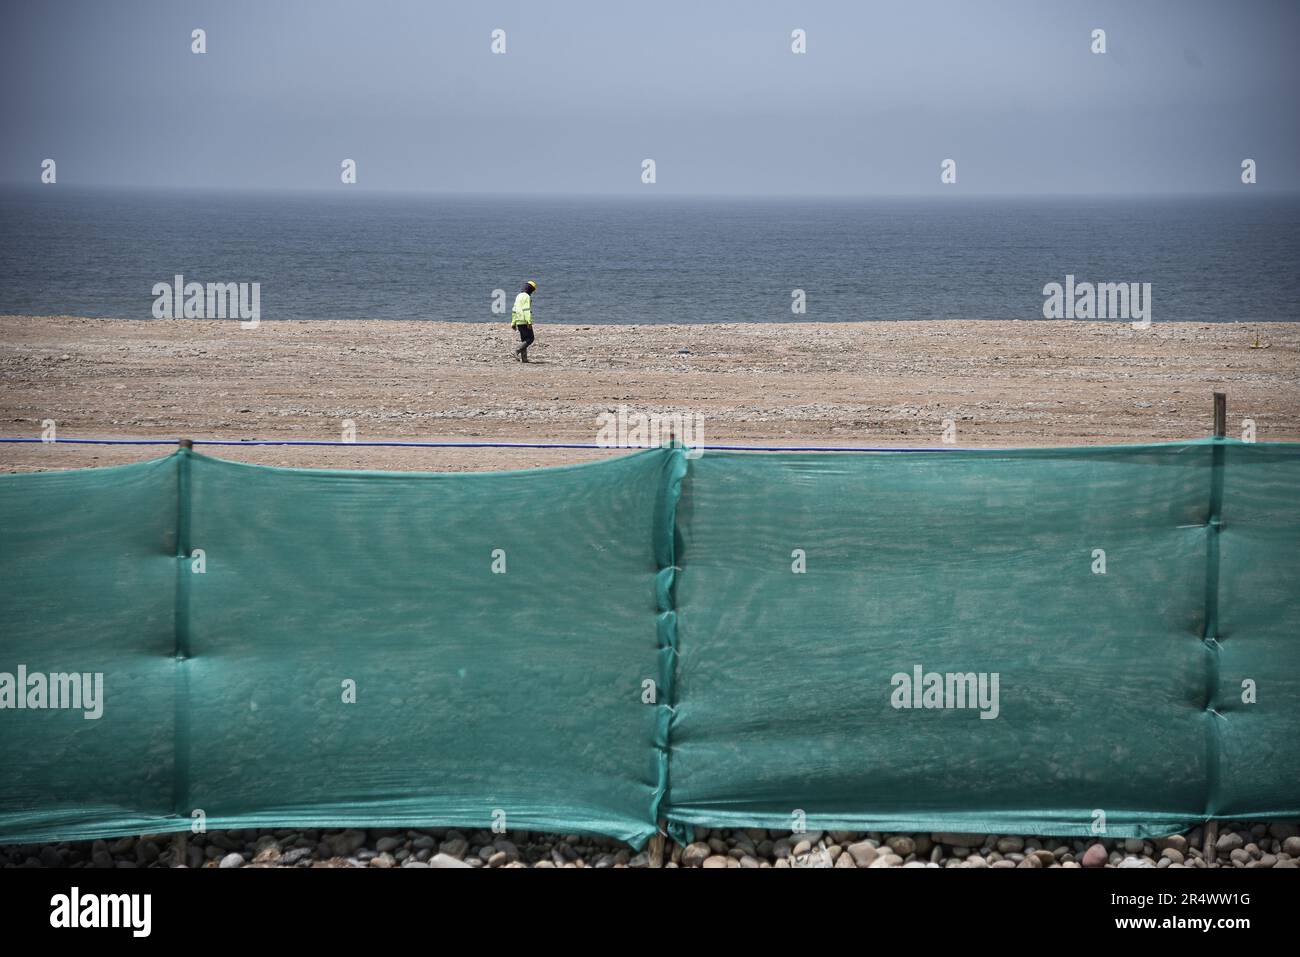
521,318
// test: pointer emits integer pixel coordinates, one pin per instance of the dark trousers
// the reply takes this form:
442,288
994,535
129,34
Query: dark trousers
525,340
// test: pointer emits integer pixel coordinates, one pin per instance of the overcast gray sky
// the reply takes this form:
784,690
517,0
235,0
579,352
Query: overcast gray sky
710,90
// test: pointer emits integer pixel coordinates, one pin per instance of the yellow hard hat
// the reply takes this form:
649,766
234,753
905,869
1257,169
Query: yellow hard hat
530,284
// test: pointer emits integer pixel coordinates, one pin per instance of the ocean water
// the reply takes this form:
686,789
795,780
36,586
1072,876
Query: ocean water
363,255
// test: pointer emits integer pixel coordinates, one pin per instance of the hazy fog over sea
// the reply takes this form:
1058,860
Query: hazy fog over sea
942,159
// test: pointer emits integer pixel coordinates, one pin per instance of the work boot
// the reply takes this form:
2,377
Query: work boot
523,353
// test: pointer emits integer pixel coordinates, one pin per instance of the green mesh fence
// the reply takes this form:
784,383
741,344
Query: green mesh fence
1038,641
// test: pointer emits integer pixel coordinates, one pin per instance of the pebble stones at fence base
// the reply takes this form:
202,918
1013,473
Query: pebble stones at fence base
863,853
454,846
902,845
341,845
819,858
292,857
694,855
1095,856
1238,845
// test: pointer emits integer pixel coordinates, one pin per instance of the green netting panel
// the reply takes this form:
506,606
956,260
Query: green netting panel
977,563
87,586
477,692
774,604
1258,634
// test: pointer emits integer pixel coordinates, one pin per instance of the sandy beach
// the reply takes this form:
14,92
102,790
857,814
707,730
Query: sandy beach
879,383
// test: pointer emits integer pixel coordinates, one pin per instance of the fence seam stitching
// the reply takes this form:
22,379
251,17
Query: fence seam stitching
1211,637
181,633
666,624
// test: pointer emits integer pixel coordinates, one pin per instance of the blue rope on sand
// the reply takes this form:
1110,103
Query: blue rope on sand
97,441
490,445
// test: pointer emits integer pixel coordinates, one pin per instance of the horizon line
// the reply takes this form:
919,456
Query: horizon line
638,195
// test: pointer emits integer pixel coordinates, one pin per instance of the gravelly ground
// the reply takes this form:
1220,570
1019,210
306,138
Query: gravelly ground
875,383
1238,845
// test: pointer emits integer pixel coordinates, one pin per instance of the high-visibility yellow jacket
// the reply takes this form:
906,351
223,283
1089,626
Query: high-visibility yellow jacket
522,314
